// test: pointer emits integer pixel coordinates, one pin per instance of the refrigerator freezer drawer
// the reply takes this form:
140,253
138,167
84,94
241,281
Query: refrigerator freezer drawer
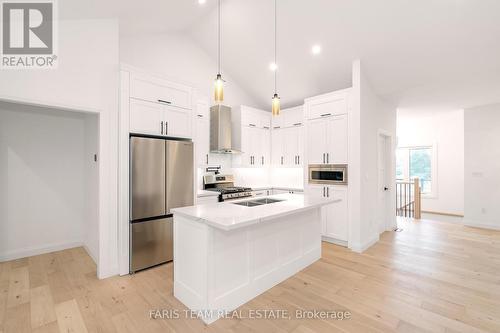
151,243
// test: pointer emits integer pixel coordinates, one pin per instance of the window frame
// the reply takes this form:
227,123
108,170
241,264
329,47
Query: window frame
433,194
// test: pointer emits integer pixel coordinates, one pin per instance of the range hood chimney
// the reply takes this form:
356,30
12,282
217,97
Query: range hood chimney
220,130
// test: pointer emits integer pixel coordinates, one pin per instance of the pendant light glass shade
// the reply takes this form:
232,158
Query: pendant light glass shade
219,89
275,105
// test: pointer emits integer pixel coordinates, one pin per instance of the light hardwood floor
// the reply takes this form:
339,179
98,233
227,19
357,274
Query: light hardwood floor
433,276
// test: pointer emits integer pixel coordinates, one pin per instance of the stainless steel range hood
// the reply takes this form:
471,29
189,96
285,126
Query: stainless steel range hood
220,130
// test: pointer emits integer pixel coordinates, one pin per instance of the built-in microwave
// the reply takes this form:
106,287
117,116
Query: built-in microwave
330,174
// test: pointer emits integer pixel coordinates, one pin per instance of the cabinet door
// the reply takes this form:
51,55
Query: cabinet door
146,118
160,91
317,141
246,146
264,149
300,144
337,140
290,146
316,192
328,106
177,122
337,225
202,140
276,146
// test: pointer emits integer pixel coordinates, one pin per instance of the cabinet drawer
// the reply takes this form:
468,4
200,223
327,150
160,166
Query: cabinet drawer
160,91
293,117
327,107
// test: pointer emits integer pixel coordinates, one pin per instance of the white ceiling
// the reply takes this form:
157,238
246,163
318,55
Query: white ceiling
418,54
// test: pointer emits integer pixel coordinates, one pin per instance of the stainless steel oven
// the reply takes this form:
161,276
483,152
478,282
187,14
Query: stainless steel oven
330,174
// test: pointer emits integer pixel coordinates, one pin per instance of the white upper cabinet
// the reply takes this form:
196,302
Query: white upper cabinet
146,117
332,104
288,138
153,89
327,128
160,107
251,134
201,133
337,140
289,118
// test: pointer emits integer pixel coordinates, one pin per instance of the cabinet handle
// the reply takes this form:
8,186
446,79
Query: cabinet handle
298,159
252,125
266,127
262,160
164,101
166,127
328,192
327,157
281,160
324,192
297,124
326,114
161,130
276,127
200,116
207,158
324,158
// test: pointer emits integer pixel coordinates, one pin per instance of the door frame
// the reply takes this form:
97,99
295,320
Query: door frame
390,166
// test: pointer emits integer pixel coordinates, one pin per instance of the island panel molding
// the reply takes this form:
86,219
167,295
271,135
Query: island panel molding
218,270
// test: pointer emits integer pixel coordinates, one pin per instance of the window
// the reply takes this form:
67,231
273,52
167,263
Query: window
416,162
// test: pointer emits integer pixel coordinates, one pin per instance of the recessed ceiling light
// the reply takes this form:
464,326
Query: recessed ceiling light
201,2
273,66
316,49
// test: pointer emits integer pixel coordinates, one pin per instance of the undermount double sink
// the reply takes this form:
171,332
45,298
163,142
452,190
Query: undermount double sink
257,202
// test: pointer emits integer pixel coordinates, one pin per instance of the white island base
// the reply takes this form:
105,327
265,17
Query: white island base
218,270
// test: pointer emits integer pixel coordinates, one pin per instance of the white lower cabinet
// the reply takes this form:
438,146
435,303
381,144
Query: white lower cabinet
335,218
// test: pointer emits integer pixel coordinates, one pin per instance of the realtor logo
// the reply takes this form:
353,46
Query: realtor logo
28,30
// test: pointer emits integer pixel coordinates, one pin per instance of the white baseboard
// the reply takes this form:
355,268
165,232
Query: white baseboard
28,252
334,241
91,255
482,225
361,247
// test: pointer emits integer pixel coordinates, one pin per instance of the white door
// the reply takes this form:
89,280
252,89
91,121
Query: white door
246,146
337,140
202,140
177,122
383,182
317,192
146,117
317,141
276,146
337,225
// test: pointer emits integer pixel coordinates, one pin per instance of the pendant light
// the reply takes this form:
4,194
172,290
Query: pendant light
219,82
275,105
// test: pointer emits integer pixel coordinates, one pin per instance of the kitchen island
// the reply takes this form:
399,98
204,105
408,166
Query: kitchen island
227,253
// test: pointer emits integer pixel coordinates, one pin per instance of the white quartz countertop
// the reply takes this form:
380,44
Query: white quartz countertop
204,193
228,216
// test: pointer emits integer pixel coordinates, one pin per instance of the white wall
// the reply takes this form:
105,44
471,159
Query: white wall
44,180
87,78
369,115
444,130
177,57
482,165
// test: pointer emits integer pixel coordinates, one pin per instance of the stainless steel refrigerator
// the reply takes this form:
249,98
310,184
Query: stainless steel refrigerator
161,174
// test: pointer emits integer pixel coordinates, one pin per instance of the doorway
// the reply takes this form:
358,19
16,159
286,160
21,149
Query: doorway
385,181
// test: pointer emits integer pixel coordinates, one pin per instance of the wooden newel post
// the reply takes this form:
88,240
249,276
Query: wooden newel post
418,202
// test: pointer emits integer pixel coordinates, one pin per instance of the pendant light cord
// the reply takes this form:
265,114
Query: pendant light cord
275,48
218,37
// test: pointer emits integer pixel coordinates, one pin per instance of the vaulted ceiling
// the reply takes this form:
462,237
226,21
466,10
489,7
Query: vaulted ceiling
417,54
